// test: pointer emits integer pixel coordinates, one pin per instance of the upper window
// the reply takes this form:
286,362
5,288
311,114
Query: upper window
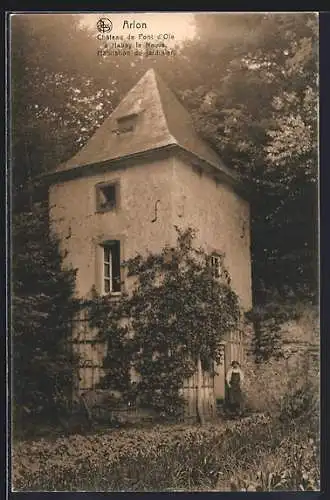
106,197
111,267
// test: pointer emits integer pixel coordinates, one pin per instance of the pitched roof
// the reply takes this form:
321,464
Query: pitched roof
161,121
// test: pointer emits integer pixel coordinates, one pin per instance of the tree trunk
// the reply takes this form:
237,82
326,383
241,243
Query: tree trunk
199,406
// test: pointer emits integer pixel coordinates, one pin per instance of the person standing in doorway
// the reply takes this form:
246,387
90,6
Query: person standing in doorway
235,379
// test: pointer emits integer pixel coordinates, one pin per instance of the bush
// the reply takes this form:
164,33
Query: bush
168,325
284,388
293,466
264,385
43,306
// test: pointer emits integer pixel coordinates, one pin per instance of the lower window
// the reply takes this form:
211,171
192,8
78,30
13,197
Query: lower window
111,267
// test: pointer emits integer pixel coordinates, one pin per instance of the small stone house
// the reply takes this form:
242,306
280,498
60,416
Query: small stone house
144,171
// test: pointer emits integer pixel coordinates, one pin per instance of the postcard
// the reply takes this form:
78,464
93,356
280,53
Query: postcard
163,172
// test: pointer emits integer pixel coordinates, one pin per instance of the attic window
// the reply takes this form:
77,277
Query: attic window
126,123
106,197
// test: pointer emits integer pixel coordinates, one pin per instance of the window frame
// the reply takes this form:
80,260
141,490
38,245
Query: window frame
98,190
108,246
127,123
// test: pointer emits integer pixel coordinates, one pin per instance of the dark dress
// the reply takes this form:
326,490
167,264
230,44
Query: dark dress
235,393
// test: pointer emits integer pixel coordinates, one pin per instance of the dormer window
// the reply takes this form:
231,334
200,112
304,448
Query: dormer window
126,123
107,196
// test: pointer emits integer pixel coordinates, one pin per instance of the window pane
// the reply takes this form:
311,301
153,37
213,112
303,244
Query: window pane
109,194
111,267
106,286
106,254
116,267
107,270
106,196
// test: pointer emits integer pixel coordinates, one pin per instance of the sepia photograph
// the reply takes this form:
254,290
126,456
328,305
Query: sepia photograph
163,176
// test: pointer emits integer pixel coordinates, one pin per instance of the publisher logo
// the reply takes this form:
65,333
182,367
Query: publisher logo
104,25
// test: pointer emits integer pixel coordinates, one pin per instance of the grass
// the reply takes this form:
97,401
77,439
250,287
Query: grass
222,456
275,450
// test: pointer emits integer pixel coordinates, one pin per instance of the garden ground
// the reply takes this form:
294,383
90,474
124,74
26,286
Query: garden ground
251,454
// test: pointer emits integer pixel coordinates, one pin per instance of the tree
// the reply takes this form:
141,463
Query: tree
43,305
48,87
170,324
254,98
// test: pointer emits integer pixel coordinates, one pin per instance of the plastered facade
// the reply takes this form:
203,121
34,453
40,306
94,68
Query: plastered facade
82,229
154,196
222,219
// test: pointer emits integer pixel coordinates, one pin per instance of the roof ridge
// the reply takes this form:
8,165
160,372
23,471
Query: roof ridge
157,77
202,149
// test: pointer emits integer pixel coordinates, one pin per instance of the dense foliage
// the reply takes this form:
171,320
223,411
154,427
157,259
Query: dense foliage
42,309
259,109
267,318
175,317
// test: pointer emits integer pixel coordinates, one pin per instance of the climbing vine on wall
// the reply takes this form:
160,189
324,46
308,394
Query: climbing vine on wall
175,314
105,316
267,319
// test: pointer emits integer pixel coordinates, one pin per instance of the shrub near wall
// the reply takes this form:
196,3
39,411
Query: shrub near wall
270,386
168,325
291,378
